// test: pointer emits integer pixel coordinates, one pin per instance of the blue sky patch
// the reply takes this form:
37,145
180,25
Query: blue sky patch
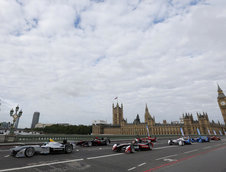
97,1
158,20
194,2
99,59
77,22
19,2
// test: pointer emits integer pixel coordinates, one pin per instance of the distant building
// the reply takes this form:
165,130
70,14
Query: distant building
40,125
4,125
99,122
35,119
187,123
175,122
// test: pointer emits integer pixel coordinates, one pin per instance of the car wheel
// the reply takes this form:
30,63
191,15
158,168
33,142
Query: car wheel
181,143
29,152
119,149
150,146
129,149
132,149
89,144
68,148
107,142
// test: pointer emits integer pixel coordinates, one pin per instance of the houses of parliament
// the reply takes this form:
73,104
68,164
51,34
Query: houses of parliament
187,123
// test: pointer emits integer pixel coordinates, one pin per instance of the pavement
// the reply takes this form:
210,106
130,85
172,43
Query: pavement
200,157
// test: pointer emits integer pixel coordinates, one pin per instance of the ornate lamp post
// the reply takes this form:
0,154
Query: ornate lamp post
16,117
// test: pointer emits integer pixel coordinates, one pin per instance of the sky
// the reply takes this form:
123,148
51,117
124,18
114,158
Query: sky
69,59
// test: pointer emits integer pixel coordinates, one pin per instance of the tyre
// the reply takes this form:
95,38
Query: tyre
107,142
150,146
68,148
129,149
89,144
29,152
170,142
181,143
132,149
119,149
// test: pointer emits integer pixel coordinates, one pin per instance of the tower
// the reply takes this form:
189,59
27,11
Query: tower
188,122
147,117
204,123
222,103
35,119
117,114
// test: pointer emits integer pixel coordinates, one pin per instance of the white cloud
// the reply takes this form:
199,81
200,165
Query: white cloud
69,59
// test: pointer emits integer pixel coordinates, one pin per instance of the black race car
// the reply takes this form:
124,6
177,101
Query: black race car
132,147
45,148
95,142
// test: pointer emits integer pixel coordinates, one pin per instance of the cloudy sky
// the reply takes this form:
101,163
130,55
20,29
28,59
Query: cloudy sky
70,59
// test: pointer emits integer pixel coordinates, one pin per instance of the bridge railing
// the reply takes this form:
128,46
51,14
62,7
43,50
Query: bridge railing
55,137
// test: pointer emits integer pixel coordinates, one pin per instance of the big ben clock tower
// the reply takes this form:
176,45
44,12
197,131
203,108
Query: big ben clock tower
222,103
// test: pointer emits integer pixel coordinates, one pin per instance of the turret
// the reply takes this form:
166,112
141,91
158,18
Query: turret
147,117
117,114
220,93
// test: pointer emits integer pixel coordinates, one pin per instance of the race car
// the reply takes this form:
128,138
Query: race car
201,139
45,148
146,139
180,141
95,142
215,138
132,147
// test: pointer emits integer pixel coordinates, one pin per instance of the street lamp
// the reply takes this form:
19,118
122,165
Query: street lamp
16,117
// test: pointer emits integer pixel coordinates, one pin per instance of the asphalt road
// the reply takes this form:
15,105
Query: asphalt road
198,157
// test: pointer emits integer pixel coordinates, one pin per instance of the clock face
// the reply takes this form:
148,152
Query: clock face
223,103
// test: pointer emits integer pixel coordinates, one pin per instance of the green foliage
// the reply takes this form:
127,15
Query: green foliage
71,129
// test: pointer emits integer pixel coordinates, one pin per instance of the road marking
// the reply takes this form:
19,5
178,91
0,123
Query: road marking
183,159
169,160
207,147
191,151
131,168
40,165
6,156
103,156
141,164
164,147
166,157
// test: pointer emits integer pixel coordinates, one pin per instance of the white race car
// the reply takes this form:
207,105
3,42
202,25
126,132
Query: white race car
46,148
180,141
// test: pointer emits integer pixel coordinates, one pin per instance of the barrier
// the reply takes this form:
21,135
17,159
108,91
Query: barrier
43,138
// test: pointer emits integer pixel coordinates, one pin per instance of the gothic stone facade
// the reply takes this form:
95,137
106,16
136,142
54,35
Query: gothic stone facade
189,125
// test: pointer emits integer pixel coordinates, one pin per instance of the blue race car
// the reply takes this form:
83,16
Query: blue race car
201,139
188,140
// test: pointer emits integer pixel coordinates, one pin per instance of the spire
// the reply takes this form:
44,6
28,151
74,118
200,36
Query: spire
146,108
219,88
220,92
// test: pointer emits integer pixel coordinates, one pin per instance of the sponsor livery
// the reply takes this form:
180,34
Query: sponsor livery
45,148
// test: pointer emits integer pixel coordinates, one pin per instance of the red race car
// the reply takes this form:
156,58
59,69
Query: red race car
132,147
215,138
95,142
146,139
